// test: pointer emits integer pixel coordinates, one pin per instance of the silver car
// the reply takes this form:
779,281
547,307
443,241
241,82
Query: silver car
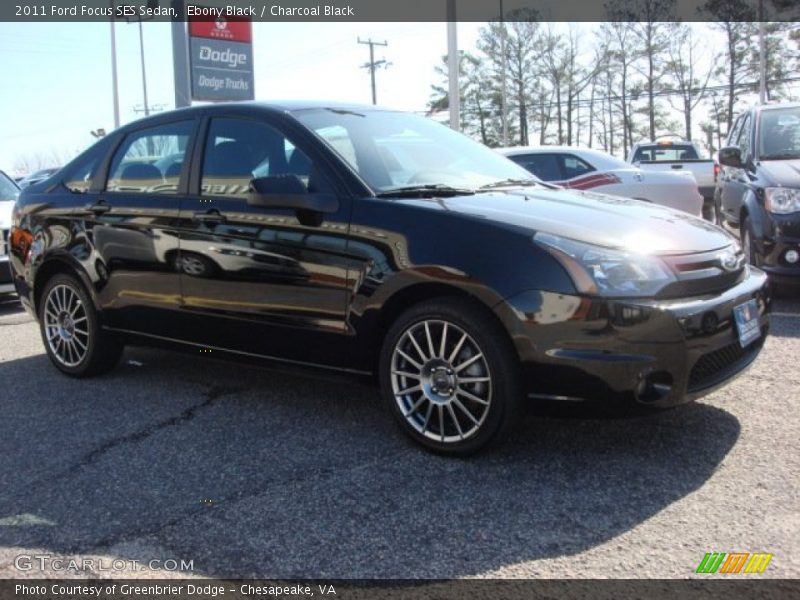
8,196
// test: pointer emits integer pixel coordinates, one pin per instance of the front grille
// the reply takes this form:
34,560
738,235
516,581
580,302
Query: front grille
704,273
709,367
4,242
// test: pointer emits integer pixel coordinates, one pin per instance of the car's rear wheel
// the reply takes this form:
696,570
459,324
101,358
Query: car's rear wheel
71,332
450,376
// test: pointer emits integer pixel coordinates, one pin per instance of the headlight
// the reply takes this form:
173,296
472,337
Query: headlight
782,201
607,272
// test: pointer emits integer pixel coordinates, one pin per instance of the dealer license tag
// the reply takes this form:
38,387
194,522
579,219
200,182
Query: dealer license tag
746,317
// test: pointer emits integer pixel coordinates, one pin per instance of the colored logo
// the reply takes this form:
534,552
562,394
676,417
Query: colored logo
734,563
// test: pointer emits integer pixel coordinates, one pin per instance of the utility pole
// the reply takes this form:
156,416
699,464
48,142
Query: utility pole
504,96
372,65
144,75
180,56
762,67
114,80
453,61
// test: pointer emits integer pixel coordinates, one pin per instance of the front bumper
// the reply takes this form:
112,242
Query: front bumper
773,261
660,353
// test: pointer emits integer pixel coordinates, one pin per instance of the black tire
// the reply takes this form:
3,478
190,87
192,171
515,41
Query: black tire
485,357
709,211
92,353
718,214
748,245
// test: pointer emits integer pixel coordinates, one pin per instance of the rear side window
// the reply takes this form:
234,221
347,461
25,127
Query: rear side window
77,177
150,160
575,167
544,166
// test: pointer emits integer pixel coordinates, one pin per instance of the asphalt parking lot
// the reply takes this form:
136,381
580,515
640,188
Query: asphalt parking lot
256,473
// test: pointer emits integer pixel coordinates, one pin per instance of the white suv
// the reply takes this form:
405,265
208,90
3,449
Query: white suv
8,196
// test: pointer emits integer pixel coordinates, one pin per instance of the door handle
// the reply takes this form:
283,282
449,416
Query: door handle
98,208
676,167
209,216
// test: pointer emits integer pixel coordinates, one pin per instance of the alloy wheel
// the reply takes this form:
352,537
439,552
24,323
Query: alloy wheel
441,381
66,325
192,265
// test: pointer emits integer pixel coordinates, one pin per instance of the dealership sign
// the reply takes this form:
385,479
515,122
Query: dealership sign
221,59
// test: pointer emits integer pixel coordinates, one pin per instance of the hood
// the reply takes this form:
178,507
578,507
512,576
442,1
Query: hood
781,172
6,208
608,221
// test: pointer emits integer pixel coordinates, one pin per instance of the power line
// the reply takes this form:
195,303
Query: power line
372,65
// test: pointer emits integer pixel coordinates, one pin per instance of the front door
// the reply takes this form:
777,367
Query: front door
266,281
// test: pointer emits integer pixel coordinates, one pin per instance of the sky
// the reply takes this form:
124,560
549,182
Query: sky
57,76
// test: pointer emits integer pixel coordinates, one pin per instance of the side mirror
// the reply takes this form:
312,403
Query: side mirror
288,191
731,156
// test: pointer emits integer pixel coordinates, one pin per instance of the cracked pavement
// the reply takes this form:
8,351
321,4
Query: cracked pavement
258,473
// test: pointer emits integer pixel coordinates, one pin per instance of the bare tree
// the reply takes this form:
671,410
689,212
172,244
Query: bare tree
687,78
734,19
31,162
521,50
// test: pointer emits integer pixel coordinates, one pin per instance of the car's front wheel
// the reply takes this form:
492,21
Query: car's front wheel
71,330
450,376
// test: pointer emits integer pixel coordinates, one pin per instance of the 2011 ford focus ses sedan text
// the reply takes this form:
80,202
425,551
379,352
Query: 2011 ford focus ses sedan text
378,242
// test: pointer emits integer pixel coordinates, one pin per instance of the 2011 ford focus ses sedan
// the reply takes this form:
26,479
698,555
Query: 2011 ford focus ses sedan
377,242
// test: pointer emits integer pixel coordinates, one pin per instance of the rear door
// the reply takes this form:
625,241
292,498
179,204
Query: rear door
268,281
133,227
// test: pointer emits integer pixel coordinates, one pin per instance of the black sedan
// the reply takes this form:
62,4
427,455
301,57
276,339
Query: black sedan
375,242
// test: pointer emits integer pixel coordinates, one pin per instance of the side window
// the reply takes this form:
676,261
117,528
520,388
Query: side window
78,176
744,138
239,151
733,134
544,166
150,160
575,167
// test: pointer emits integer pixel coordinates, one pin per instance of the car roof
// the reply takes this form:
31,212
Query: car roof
775,106
277,106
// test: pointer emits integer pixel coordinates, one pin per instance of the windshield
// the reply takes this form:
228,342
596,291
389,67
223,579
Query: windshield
779,134
394,150
8,189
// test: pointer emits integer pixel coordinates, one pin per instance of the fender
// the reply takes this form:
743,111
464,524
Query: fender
63,261
753,205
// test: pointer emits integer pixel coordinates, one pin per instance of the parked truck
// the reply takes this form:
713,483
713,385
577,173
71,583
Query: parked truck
679,157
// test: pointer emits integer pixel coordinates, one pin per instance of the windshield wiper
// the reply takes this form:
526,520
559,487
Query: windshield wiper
429,189
510,183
